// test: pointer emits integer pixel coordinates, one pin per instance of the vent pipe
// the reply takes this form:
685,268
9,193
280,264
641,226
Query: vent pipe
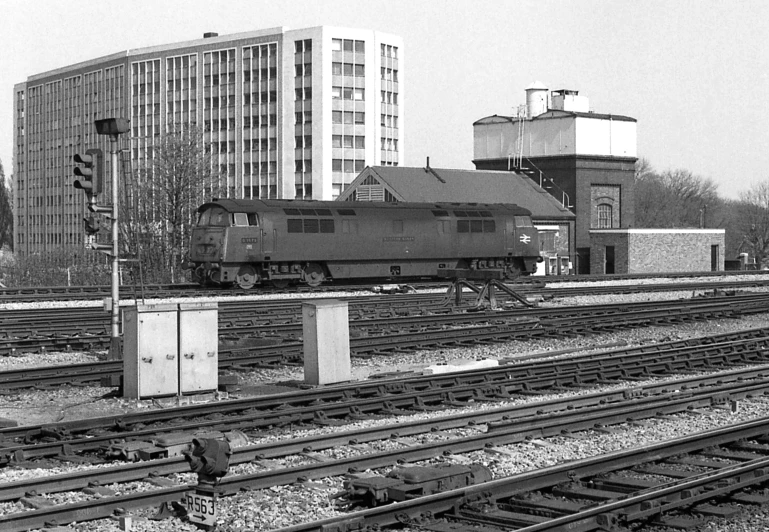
433,172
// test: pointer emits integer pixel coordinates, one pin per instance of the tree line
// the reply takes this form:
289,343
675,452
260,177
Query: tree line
158,204
680,199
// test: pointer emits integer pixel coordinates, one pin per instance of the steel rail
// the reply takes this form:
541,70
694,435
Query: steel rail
658,500
234,357
31,294
522,377
519,430
426,393
591,319
414,511
41,322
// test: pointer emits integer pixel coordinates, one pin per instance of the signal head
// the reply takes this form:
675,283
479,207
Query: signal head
92,172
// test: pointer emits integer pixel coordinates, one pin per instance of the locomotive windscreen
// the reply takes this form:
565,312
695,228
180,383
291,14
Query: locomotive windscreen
523,221
214,217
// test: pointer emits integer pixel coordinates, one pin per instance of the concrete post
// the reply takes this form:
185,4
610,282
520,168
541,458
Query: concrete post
326,334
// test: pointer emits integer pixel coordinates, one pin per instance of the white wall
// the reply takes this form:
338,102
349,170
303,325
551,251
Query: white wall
566,135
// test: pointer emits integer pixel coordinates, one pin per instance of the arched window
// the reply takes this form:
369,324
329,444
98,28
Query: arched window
604,216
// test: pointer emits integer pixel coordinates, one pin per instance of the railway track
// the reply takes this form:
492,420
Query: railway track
370,337
388,397
159,291
499,426
600,493
67,329
409,400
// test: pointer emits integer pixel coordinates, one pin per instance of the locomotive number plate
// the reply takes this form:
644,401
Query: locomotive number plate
398,239
201,509
249,240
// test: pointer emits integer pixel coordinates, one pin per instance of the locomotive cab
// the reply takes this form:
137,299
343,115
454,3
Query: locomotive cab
522,240
212,238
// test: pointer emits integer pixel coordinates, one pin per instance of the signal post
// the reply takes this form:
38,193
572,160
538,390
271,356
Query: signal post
92,183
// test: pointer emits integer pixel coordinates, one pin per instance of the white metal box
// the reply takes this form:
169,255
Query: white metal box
198,347
150,353
326,335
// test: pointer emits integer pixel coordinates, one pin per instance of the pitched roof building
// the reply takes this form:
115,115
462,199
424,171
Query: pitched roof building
440,185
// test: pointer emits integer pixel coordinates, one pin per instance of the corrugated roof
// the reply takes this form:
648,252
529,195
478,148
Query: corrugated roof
468,186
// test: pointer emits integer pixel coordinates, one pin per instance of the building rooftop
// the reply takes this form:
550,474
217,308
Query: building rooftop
427,184
554,113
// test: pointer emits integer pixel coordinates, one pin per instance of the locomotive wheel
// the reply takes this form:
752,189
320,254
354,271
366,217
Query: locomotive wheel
199,275
246,277
512,271
313,274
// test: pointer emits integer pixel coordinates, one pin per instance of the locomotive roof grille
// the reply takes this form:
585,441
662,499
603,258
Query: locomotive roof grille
473,214
308,212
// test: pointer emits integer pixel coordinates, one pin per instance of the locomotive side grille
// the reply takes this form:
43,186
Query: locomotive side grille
310,225
476,226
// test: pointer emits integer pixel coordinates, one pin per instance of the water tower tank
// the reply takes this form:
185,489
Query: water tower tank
536,99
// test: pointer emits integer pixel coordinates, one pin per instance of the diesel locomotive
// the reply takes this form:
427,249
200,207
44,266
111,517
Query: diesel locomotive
248,242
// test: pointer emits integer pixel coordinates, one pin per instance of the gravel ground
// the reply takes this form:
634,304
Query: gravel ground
288,505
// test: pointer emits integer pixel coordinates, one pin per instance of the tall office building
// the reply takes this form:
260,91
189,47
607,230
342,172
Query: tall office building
284,113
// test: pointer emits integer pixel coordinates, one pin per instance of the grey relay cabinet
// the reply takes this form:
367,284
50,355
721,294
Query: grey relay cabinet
198,347
170,349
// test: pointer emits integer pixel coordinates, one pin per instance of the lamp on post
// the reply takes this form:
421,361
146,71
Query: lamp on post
114,127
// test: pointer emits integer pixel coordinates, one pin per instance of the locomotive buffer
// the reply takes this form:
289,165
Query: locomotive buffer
492,280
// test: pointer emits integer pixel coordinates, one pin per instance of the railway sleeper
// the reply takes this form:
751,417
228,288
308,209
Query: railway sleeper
320,418
389,409
420,406
356,414
538,504
500,515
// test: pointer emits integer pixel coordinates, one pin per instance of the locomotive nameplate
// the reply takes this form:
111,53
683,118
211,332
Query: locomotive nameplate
398,239
251,240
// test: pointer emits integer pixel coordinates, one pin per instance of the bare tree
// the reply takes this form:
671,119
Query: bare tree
755,221
6,211
643,169
674,198
162,199
651,200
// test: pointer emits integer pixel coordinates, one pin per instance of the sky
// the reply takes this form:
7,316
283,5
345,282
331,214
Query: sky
694,73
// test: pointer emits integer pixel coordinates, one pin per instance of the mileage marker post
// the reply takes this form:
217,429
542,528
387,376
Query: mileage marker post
201,508
210,459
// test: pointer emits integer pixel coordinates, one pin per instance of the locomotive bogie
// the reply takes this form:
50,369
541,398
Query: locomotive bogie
308,242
